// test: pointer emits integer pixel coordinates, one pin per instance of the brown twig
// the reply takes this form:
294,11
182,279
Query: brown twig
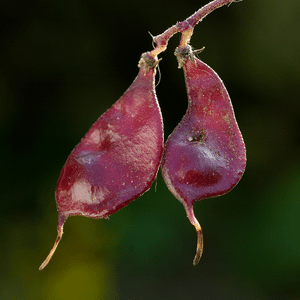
185,27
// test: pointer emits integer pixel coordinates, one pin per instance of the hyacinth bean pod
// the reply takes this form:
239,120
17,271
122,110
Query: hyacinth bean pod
205,155
118,159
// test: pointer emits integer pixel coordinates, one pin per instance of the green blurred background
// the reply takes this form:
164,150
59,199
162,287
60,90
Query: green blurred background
62,64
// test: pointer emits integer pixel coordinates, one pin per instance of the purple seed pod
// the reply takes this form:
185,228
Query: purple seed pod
118,159
205,155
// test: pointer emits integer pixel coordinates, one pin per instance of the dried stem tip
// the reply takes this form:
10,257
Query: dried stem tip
199,250
191,216
48,258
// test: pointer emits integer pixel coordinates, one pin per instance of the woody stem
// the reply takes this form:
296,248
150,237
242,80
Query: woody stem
161,40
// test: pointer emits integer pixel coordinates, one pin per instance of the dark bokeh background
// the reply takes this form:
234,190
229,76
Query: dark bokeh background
62,64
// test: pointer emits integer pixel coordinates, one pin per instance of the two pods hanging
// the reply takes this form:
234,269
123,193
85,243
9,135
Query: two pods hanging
118,159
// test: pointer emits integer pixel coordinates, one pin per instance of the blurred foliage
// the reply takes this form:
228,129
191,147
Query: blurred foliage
62,64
